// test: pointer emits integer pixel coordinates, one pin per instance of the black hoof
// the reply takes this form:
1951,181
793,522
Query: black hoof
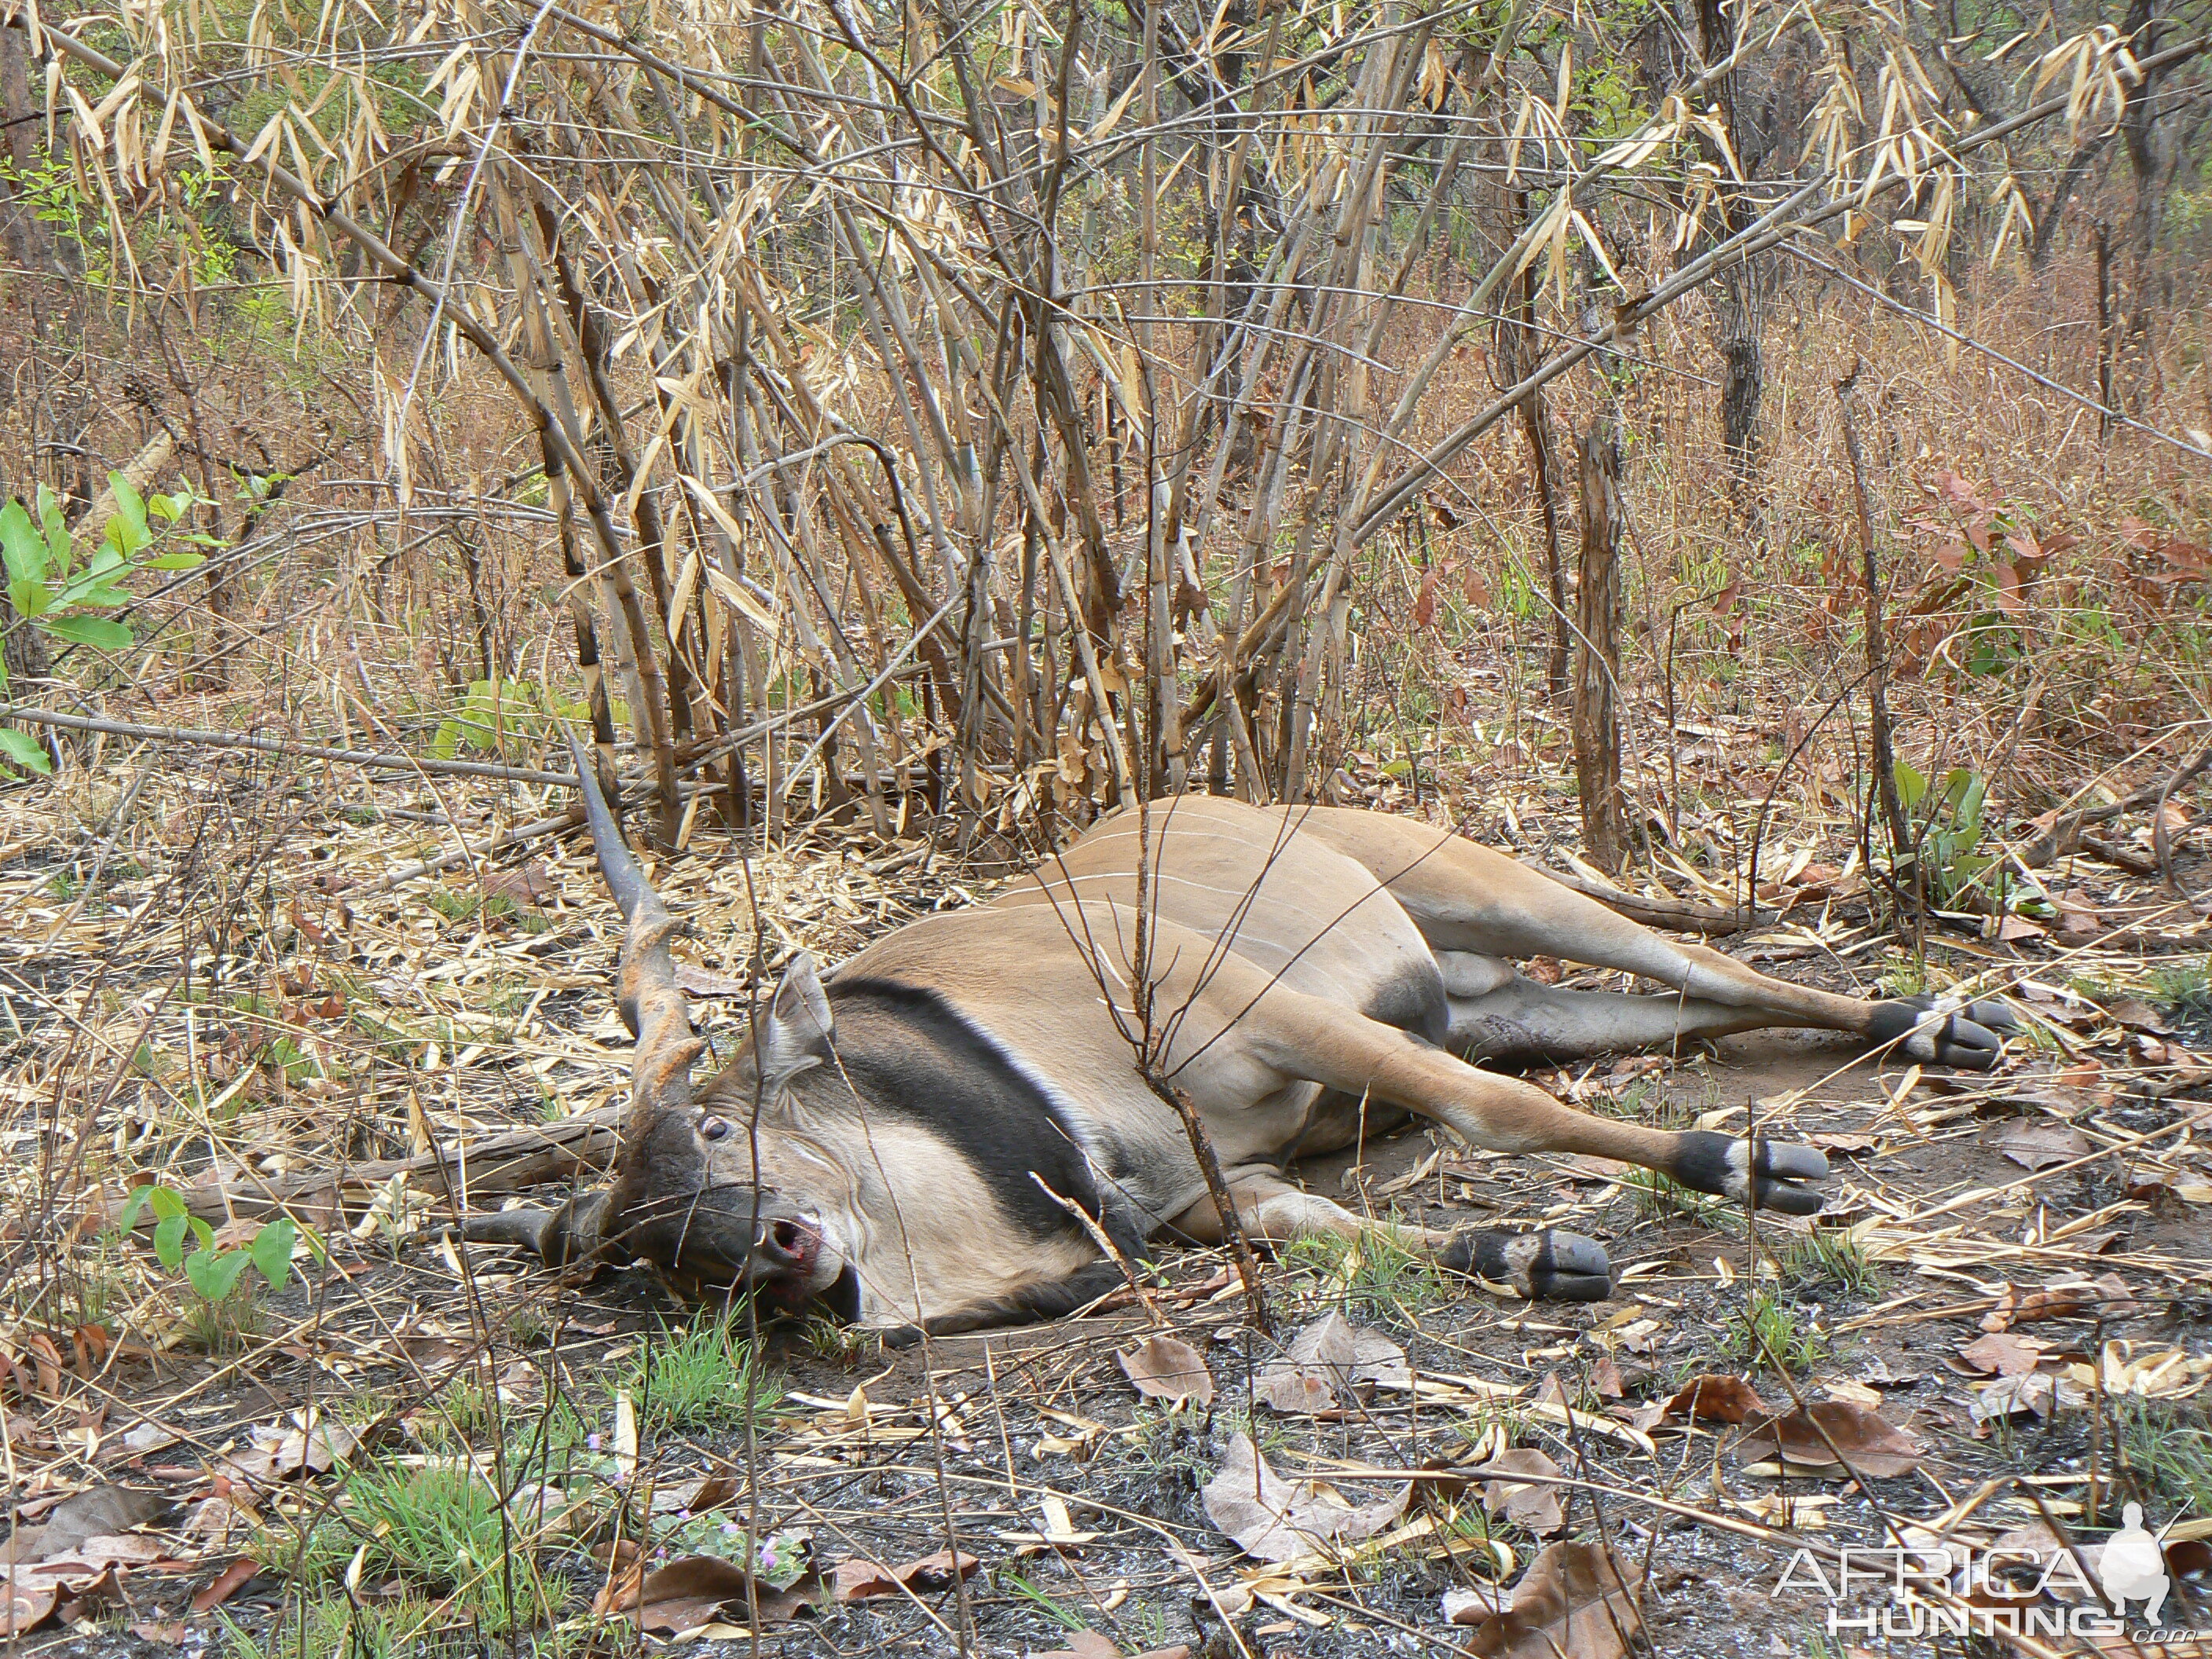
1722,1165
1970,1036
1544,1267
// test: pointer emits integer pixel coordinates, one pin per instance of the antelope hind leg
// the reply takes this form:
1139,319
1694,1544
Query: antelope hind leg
1545,1266
1516,1018
1523,1019
1471,903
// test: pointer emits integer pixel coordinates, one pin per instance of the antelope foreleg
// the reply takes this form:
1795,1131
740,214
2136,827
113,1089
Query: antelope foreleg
1475,903
1546,1265
1305,1036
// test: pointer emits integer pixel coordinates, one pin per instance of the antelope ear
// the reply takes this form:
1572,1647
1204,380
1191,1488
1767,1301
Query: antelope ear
793,1034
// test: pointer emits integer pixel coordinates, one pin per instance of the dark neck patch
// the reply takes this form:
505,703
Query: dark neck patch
912,1055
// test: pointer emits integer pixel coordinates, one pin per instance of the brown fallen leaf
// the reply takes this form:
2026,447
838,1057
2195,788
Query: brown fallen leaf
2000,1354
2108,1293
1090,1644
2039,1394
69,1589
1278,1520
97,1512
1294,1391
1328,1361
1167,1368
701,1497
693,1590
1535,1505
2037,1144
93,1556
225,1584
2080,919
2152,1371
526,887
1572,1603
1716,1400
1085,1645
1871,1444
162,1633
2163,1192
284,1451
1849,1142
25,1607
855,1579
2137,1016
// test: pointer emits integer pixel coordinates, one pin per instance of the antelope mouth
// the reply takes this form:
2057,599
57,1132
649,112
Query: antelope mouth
795,1267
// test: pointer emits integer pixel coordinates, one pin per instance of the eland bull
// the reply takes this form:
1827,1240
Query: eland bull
905,1142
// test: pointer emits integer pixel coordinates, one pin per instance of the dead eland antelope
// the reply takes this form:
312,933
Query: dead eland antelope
901,1144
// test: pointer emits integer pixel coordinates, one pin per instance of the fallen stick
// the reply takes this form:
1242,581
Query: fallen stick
573,818
368,758
2055,841
501,1164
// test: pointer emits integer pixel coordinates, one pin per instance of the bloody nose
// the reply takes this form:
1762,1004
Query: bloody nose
784,1243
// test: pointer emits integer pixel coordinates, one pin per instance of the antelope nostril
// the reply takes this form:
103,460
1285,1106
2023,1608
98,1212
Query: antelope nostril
786,1241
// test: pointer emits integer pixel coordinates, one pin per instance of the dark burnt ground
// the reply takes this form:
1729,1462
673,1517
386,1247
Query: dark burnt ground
1024,1421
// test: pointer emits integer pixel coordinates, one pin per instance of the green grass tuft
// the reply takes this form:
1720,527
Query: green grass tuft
330,1627
1768,1332
702,1376
1373,1274
1830,1256
2164,1449
437,1529
1661,1198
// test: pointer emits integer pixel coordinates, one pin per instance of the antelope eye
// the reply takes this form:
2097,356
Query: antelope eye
715,1128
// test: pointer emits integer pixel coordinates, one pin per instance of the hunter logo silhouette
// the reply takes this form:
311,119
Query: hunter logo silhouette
2134,1568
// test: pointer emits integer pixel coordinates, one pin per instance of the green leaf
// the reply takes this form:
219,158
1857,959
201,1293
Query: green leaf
20,545
202,1231
272,1251
30,598
1970,800
140,1196
177,562
214,1273
169,1240
1911,785
166,1202
105,566
130,507
22,748
96,631
56,528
